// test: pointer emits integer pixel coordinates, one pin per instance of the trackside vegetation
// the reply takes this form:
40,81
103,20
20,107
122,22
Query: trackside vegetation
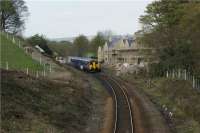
57,105
175,96
173,26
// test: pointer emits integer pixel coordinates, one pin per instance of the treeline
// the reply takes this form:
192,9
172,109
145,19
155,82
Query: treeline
81,46
173,27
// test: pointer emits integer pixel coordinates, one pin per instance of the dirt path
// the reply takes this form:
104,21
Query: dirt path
36,55
108,116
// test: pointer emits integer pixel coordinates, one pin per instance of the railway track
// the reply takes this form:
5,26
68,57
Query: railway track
123,120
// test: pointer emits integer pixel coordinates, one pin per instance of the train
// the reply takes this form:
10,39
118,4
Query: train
85,63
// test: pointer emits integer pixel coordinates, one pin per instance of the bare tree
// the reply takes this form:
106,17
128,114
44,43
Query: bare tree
12,15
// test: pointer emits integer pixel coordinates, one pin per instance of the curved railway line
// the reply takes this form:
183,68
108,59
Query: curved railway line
123,121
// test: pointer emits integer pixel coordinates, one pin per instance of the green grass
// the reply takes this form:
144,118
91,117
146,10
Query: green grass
16,57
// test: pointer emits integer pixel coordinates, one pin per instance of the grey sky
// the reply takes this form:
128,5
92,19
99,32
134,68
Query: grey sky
64,18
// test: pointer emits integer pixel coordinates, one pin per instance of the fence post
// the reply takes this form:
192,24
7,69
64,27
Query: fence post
167,74
50,68
185,74
36,74
13,40
7,65
27,70
149,83
40,60
193,82
173,74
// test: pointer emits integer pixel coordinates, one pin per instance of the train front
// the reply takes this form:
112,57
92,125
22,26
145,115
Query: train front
94,66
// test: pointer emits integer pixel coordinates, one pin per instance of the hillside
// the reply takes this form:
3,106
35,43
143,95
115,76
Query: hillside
38,105
56,103
15,56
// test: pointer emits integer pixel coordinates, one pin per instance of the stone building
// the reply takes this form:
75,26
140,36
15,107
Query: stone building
126,50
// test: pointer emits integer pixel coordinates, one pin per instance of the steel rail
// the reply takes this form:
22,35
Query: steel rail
124,90
115,97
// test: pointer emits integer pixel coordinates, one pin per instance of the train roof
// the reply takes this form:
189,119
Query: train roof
81,58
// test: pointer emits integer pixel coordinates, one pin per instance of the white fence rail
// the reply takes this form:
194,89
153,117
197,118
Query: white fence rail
183,74
37,73
14,39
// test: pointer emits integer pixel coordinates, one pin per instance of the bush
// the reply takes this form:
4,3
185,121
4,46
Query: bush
40,41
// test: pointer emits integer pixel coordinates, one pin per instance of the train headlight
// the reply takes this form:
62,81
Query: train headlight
94,65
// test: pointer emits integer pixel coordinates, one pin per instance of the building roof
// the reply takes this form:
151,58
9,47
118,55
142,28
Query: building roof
116,39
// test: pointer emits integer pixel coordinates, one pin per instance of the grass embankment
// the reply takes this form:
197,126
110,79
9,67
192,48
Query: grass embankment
40,105
15,56
179,97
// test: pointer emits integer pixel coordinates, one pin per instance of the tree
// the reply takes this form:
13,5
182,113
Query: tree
63,48
190,30
81,45
106,34
12,15
162,18
97,41
40,41
179,56
173,26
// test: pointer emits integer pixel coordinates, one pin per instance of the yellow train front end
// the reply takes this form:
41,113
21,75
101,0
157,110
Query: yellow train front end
94,66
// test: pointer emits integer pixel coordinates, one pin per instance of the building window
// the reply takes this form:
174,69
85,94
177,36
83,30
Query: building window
139,61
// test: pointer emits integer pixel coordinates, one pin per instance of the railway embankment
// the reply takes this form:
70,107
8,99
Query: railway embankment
175,100
147,119
56,104
64,100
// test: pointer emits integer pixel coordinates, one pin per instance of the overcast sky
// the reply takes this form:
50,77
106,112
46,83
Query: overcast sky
65,18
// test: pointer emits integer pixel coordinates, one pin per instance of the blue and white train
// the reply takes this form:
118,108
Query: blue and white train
85,64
